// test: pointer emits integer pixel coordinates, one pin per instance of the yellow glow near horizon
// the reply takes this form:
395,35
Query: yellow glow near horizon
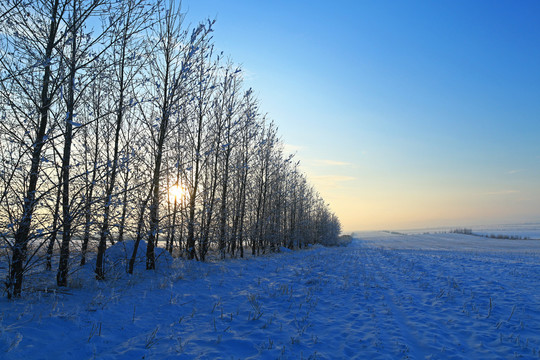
177,193
379,201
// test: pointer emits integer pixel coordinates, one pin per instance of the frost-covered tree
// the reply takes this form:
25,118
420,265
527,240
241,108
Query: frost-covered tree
197,140
105,108
127,57
31,77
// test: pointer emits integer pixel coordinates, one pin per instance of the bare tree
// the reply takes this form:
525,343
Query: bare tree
91,163
244,157
170,76
84,50
98,126
201,95
228,104
127,64
33,48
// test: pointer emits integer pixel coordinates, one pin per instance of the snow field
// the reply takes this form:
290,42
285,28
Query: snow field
364,301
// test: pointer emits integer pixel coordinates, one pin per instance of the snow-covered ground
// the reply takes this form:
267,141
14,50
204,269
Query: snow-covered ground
447,242
438,296
525,230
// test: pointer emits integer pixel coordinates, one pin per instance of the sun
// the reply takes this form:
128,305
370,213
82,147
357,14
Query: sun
177,192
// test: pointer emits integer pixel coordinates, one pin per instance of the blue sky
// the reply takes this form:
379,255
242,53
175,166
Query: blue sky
404,114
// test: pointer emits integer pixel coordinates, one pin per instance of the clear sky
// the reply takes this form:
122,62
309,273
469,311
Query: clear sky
404,114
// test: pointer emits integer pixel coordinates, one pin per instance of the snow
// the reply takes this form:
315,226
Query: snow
524,230
385,296
447,242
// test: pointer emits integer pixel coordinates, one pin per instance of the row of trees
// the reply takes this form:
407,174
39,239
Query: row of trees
117,123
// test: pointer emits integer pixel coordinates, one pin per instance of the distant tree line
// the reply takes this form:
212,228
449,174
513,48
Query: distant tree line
463,231
118,122
466,231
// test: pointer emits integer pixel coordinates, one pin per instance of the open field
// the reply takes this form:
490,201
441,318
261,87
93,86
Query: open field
436,296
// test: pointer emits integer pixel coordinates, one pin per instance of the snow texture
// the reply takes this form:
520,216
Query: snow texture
385,296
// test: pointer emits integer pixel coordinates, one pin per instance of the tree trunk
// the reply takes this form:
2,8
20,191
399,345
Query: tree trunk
54,230
89,197
20,247
61,276
140,225
223,215
105,229
154,205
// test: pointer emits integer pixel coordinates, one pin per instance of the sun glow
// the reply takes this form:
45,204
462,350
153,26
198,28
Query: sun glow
177,193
